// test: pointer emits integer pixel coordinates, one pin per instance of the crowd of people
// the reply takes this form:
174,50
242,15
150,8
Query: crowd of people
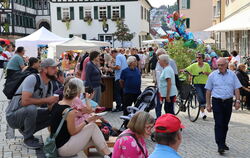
47,93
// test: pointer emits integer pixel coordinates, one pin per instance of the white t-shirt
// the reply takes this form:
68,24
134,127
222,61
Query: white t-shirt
236,60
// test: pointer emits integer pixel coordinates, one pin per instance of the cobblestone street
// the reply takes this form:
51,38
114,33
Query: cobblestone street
198,137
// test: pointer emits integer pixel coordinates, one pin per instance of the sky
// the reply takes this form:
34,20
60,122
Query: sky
158,3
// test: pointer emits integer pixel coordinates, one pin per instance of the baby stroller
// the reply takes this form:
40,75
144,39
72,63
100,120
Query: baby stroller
145,102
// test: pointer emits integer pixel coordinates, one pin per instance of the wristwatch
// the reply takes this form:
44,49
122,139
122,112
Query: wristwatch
86,122
237,101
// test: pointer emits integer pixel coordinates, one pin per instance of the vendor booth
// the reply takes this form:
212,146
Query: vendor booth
75,43
40,37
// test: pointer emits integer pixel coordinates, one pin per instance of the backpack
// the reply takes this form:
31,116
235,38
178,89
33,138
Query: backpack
81,62
11,85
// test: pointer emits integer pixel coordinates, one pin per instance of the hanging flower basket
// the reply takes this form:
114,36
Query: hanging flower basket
6,3
88,20
67,22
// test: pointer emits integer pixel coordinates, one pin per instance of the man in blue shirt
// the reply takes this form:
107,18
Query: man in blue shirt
168,137
131,82
120,64
222,84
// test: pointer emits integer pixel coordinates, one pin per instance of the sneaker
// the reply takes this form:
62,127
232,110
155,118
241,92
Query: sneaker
204,117
32,144
34,138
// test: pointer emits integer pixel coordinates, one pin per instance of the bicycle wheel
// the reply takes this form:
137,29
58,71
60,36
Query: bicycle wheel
177,105
193,108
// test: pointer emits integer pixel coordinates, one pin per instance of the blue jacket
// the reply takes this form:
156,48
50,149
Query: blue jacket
93,75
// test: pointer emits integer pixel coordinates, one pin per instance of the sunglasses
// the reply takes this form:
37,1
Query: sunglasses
199,57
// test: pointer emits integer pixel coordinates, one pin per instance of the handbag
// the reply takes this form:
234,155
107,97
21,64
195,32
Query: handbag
49,147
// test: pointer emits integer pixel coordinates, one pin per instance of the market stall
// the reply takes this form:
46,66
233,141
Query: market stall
75,43
40,37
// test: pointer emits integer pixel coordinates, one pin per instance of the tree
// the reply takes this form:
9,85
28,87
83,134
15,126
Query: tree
123,33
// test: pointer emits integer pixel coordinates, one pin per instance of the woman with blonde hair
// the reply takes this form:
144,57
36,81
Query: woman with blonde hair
73,138
131,143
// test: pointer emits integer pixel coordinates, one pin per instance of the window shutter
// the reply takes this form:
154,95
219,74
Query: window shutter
72,16
188,22
122,11
148,18
141,12
81,15
84,36
71,35
95,12
188,4
59,13
109,12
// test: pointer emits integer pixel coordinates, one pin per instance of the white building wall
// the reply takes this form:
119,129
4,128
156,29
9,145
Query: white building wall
79,27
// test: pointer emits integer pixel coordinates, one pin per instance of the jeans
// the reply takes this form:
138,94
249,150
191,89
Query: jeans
129,99
97,95
118,94
29,119
201,93
222,111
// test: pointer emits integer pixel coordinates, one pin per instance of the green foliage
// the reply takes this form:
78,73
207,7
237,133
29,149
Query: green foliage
123,33
182,55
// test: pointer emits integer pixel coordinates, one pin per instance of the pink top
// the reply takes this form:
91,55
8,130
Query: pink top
83,75
126,147
77,104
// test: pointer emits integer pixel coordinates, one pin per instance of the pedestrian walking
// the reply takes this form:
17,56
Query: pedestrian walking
168,90
222,84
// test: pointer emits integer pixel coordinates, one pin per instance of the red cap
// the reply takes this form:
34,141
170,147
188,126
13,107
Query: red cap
168,123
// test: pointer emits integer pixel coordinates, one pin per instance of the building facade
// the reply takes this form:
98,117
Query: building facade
234,26
22,17
198,12
97,19
238,40
219,16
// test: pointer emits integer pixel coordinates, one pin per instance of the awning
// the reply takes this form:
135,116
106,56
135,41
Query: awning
239,21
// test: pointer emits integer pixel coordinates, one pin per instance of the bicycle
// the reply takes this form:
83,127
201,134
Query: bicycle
188,101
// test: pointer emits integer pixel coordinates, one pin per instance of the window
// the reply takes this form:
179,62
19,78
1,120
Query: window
65,13
103,12
218,8
87,12
145,13
215,9
115,12
185,4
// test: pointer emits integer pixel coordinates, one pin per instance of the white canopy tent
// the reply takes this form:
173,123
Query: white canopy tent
239,21
39,37
75,43
155,41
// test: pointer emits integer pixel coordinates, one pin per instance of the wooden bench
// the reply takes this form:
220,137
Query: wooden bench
110,143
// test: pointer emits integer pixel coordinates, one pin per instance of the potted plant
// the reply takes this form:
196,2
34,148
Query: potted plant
103,19
6,3
118,21
67,22
88,20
